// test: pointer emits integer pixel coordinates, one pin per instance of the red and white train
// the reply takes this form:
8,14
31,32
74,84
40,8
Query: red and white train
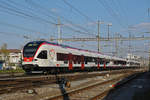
51,57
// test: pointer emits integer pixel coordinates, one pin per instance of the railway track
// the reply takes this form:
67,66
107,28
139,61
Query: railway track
15,84
38,76
114,86
93,91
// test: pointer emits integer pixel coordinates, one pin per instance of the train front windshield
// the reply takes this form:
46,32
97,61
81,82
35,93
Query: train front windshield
30,49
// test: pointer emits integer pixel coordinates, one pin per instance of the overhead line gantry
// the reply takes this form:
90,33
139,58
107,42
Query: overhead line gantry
102,39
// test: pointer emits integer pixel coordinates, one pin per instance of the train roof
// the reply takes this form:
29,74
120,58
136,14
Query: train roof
134,61
117,58
85,51
64,46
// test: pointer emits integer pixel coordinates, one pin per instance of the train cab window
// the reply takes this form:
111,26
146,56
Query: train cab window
42,55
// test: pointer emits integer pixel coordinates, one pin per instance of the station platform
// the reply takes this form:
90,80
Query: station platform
137,89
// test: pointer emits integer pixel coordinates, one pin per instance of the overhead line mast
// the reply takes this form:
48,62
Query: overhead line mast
103,39
148,11
59,31
148,14
98,35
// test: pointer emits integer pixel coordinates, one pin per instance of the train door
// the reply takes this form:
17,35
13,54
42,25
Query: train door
70,62
43,58
82,62
98,63
104,61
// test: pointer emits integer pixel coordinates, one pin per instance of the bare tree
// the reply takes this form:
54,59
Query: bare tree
5,53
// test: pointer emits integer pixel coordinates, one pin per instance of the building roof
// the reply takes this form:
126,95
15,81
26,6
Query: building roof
13,51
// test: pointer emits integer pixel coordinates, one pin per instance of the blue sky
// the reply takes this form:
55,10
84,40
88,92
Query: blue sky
37,19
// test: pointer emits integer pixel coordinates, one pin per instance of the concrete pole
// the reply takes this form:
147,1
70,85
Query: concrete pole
149,61
59,31
108,29
98,35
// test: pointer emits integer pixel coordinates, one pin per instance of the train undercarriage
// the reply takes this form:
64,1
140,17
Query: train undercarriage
56,70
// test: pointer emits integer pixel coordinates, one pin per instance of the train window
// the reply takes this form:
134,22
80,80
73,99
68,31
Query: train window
42,55
78,62
88,59
79,59
96,60
101,62
86,62
74,59
29,51
106,62
62,57
65,62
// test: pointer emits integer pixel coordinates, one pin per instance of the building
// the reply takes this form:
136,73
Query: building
133,57
144,61
10,57
1,64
